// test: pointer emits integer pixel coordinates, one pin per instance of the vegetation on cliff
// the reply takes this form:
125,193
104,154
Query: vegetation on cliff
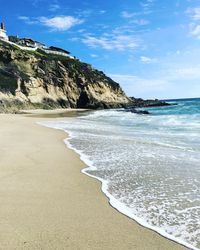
32,79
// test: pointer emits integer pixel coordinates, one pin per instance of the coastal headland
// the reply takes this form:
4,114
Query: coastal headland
47,203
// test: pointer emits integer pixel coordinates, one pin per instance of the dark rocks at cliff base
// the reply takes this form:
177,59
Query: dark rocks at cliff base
140,103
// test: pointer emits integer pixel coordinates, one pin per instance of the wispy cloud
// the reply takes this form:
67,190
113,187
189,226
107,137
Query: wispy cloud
84,13
28,20
132,79
194,14
117,42
170,78
54,7
138,86
186,73
195,30
57,23
140,22
102,11
94,55
147,60
35,3
131,17
126,14
137,17
147,6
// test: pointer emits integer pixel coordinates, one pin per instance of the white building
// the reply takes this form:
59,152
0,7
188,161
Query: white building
28,42
3,35
31,45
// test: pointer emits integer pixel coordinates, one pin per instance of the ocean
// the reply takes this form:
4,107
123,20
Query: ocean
149,165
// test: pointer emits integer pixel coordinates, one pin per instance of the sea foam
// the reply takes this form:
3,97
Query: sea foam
148,166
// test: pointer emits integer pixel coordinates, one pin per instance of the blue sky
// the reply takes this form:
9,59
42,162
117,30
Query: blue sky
151,47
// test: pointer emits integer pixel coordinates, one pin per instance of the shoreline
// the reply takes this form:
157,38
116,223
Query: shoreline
114,203
48,204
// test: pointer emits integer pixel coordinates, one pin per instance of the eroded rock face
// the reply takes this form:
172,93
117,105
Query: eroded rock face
55,81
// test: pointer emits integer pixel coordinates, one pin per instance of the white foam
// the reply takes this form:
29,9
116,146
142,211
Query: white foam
112,200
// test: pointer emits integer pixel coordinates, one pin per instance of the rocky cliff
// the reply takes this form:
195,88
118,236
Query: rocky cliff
36,79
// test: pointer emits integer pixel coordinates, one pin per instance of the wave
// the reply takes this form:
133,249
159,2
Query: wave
115,203
148,167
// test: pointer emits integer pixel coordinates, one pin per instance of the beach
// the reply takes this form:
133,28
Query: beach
47,203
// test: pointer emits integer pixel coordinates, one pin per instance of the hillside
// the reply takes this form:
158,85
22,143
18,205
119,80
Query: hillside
31,79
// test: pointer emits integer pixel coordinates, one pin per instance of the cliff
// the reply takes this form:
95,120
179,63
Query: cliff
31,79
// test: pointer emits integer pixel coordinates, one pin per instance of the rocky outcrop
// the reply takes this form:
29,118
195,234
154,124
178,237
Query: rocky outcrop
140,103
35,79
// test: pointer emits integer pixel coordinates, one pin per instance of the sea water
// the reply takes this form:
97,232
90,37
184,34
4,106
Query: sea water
149,165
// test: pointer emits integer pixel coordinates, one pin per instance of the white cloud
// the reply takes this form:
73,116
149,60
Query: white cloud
60,23
195,30
118,42
194,13
147,60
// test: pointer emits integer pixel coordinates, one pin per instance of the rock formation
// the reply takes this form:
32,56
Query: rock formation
31,79
140,103
34,79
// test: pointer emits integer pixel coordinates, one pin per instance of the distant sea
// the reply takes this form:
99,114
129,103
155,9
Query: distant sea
149,165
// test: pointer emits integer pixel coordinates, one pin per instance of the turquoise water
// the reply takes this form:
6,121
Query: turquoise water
183,107
149,165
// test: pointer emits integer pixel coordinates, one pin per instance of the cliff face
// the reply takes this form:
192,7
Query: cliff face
35,79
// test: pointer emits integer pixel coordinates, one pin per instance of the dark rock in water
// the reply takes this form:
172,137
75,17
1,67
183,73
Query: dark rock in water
135,111
138,102
142,112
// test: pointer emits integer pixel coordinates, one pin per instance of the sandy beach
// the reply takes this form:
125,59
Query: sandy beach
47,203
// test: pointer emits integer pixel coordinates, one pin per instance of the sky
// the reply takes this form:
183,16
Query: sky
150,47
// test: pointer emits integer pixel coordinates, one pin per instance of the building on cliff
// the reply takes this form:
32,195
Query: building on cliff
30,44
52,48
3,35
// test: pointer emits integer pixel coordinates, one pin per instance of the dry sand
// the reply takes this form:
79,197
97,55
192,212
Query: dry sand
46,203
